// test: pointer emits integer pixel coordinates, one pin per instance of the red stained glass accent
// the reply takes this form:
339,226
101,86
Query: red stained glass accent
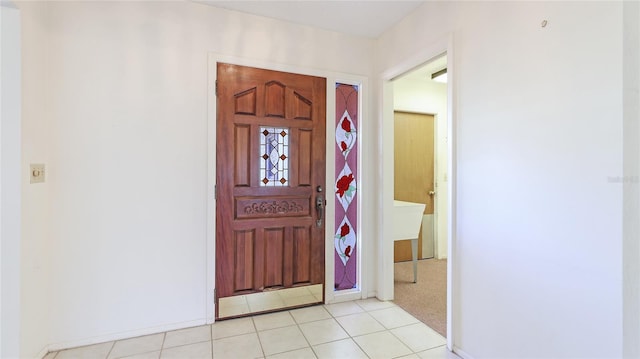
283,157
265,181
346,125
282,180
343,184
283,133
265,132
265,156
344,230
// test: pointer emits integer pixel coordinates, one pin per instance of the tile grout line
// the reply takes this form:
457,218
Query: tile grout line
255,327
298,325
335,318
407,345
400,340
186,344
401,326
385,329
304,336
300,329
332,317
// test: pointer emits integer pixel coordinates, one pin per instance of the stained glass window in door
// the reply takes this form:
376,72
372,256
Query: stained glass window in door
274,156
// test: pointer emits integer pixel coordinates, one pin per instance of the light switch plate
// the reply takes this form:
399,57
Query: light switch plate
36,171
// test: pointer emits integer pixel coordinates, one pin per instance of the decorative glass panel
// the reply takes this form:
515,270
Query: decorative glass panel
346,219
274,156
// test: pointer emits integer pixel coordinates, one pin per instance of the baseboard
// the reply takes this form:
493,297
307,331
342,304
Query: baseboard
122,335
459,352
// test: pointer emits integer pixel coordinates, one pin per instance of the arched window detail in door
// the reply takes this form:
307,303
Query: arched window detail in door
346,199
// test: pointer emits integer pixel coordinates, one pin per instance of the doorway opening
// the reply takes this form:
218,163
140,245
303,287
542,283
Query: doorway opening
420,107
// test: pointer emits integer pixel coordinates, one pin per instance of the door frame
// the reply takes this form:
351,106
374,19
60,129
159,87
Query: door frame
422,56
332,77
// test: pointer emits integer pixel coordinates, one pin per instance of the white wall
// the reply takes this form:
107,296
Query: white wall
35,241
9,180
126,112
631,179
413,95
538,243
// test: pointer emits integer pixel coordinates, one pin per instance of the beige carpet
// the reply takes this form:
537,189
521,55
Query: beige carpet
427,299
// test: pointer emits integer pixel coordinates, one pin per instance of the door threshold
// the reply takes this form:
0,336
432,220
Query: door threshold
269,301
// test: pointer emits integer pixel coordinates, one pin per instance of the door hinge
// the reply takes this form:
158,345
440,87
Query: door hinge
215,191
215,294
216,88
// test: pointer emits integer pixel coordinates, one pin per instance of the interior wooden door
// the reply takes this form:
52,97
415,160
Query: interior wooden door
270,173
414,168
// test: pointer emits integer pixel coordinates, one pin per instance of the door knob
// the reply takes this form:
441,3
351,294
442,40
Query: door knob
431,193
320,210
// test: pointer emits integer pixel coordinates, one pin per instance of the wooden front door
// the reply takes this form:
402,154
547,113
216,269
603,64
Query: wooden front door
414,169
270,177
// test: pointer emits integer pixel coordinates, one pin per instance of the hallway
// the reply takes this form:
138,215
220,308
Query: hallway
357,329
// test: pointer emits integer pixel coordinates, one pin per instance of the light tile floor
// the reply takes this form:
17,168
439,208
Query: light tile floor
357,329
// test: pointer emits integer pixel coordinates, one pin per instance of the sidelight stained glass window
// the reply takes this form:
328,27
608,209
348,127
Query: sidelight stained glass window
274,156
346,199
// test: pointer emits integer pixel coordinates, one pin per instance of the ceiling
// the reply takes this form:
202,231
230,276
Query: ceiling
362,18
